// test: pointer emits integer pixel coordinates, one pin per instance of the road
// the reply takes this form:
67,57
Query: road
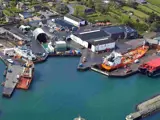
71,9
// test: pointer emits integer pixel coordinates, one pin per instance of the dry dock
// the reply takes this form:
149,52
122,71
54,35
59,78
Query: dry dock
146,108
11,79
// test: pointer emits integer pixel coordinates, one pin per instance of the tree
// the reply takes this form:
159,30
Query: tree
62,8
90,3
155,26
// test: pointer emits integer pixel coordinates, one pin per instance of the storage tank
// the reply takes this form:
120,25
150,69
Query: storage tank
60,46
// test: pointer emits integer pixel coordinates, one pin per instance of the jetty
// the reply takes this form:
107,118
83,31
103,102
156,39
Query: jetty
146,108
11,79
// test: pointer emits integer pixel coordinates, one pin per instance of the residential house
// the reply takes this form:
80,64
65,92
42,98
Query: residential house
25,15
20,5
89,11
36,8
5,3
140,1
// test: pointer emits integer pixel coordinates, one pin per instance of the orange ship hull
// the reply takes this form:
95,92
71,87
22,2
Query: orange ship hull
137,53
24,83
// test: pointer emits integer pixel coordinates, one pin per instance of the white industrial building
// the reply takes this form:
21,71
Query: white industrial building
75,21
40,35
96,40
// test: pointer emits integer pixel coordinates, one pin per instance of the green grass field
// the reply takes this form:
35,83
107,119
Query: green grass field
147,9
136,12
99,17
153,7
154,2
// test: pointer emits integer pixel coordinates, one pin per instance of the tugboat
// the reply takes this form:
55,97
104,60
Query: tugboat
151,68
116,60
79,118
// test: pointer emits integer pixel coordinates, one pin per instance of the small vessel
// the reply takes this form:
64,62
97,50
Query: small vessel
79,118
151,68
116,60
26,77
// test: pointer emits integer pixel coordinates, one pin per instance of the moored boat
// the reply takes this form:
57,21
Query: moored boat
116,60
79,118
26,77
151,68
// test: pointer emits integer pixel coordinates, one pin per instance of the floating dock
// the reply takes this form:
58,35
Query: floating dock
11,79
146,108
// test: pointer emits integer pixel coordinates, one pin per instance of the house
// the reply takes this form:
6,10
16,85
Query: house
5,3
51,3
36,8
121,32
20,5
75,21
12,19
140,1
89,11
97,40
25,15
47,14
106,1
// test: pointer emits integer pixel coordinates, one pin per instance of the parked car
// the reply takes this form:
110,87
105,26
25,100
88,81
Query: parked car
1,45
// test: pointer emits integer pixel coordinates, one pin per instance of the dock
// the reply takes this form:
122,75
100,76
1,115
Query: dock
146,108
11,79
121,72
92,59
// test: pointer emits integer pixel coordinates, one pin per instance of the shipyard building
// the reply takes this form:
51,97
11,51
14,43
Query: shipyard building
96,40
121,32
40,35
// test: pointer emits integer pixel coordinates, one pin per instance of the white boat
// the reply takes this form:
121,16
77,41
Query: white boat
26,53
79,118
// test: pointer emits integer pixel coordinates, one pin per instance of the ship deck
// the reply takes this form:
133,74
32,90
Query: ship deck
11,79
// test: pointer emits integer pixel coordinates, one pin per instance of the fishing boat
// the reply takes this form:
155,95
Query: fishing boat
151,68
79,118
26,77
116,60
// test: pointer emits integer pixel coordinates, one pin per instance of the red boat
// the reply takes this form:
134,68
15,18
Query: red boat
151,68
116,60
26,76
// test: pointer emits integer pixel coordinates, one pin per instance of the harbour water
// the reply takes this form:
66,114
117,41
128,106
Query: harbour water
59,92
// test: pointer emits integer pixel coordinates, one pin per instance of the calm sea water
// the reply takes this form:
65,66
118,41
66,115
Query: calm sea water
59,92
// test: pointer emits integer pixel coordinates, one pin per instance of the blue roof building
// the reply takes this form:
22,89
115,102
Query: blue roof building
25,15
121,32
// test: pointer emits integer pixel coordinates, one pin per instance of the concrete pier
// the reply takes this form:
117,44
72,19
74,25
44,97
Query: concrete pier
11,79
146,108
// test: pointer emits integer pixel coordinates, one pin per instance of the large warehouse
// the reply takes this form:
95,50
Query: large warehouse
121,32
96,40
40,35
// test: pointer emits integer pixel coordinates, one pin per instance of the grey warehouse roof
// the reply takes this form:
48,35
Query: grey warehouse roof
92,35
102,41
118,29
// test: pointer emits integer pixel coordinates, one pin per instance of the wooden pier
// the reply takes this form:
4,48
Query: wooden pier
11,79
